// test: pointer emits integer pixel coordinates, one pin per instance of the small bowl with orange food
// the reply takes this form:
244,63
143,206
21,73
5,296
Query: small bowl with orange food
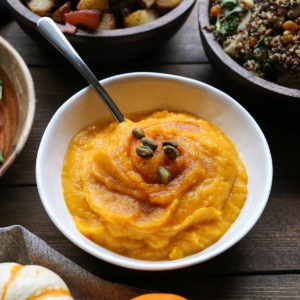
17,104
175,184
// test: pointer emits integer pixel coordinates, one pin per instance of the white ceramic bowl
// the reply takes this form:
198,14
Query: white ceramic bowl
137,92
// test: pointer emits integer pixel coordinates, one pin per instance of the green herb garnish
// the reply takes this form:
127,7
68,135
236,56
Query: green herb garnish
231,18
259,46
269,70
229,3
1,89
1,158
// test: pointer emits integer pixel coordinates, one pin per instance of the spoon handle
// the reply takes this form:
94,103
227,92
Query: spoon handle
51,32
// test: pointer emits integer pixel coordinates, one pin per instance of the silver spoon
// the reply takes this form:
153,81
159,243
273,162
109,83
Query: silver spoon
51,32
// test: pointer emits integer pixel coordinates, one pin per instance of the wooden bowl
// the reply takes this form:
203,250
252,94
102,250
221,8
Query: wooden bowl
16,113
112,45
264,90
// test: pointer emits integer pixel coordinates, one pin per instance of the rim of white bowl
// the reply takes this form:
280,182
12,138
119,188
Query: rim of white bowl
144,265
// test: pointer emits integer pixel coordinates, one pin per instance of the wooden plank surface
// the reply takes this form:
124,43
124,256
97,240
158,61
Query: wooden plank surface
234,287
272,246
264,265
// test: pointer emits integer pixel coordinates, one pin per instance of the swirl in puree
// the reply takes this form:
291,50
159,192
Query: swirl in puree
117,197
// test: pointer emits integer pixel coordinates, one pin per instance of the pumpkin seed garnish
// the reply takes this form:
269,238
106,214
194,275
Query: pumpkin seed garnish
164,175
138,133
171,152
169,143
144,151
149,142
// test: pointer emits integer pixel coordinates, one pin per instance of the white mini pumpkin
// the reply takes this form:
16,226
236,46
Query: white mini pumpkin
18,282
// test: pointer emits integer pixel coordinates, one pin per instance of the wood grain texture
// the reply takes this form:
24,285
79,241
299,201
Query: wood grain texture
272,246
234,287
264,265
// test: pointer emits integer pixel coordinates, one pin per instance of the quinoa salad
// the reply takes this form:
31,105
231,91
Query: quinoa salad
263,36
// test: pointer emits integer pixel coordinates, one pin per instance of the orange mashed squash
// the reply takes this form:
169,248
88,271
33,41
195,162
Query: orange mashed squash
117,200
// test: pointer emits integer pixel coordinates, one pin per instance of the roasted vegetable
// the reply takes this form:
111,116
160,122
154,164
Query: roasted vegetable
166,5
140,17
215,11
41,7
101,14
102,5
58,15
108,22
88,19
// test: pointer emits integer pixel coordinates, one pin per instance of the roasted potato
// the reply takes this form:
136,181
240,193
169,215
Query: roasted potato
102,5
101,14
108,22
140,17
41,7
166,5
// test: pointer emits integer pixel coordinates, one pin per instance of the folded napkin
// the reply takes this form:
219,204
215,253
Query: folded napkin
19,245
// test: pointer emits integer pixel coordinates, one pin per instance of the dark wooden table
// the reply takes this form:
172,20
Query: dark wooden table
264,265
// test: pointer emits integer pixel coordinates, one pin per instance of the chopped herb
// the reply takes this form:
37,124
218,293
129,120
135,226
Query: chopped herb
259,46
229,3
261,42
1,158
267,67
1,89
231,18
234,11
257,52
269,70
